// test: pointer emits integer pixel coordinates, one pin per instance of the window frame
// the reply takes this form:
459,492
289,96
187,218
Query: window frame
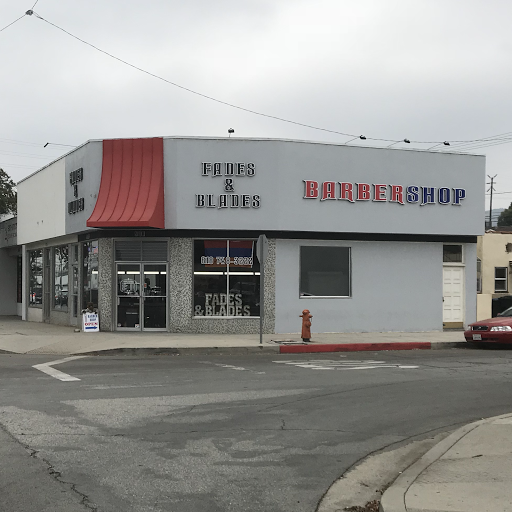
227,240
83,274
40,305
501,279
53,266
461,262
314,297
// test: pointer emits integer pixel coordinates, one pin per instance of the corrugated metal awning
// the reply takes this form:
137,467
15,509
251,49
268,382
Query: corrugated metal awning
132,185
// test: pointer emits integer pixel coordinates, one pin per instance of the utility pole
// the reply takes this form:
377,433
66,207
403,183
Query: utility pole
491,190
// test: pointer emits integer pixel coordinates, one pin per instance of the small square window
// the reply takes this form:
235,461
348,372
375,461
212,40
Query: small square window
324,271
452,253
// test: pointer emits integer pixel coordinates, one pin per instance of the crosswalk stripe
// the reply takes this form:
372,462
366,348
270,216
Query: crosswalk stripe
329,364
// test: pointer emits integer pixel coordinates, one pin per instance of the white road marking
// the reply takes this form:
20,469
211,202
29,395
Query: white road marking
231,367
103,387
47,368
327,364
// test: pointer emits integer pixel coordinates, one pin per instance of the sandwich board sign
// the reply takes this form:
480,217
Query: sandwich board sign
90,322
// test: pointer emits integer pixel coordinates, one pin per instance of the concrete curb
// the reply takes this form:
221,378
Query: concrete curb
393,499
169,351
255,349
358,347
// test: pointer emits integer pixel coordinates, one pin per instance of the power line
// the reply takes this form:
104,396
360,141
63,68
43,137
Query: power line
211,98
20,166
20,142
191,90
10,24
25,155
473,148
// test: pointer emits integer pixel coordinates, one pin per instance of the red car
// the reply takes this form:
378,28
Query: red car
494,330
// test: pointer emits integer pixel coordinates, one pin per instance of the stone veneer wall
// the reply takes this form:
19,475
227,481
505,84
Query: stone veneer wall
105,263
181,300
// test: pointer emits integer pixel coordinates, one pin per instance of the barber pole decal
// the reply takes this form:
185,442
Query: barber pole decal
382,193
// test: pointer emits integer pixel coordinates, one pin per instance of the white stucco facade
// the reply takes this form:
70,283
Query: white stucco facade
394,211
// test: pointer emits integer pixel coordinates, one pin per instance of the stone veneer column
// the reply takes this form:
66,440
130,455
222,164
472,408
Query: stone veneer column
180,284
105,264
269,320
181,298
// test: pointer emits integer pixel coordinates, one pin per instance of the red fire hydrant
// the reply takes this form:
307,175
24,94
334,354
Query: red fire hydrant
306,325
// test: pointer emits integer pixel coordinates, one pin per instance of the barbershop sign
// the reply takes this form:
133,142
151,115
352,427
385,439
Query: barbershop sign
231,175
352,192
78,204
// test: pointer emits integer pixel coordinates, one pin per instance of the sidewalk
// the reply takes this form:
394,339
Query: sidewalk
21,337
469,471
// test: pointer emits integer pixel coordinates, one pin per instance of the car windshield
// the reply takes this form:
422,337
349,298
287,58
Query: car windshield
507,312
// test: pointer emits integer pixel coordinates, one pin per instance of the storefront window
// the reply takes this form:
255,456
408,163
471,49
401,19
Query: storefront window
35,279
226,278
61,278
324,271
90,274
19,280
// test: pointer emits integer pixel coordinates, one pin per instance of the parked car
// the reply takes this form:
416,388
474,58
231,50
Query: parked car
493,330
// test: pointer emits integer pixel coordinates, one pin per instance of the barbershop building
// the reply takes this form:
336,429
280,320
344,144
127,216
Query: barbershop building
159,234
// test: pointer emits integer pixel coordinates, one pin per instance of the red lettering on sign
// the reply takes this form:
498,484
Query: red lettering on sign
397,194
310,189
380,192
328,190
363,192
347,191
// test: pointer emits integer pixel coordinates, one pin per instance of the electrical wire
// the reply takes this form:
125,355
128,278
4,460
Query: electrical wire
20,142
25,155
10,24
250,111
20,166
474,148
191,90
238,107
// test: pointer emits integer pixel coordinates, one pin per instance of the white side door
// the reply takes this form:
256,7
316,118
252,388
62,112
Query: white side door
453,297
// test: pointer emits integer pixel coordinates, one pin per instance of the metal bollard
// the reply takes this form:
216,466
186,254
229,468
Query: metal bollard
306,325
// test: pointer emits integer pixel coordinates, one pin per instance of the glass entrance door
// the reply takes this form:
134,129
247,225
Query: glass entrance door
154,299
141,296
128,296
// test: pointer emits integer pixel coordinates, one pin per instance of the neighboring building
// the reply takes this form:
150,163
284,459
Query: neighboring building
159,234
494,253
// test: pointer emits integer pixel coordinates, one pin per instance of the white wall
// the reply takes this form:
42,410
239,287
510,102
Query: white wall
470,284
42,205
396,286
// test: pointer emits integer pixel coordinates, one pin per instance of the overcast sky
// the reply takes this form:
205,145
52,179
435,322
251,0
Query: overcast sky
423,70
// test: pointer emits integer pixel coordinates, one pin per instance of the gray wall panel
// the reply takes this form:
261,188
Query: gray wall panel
396,286
8,287
281,167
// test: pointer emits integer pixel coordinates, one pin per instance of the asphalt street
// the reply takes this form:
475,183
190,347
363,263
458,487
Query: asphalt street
224,433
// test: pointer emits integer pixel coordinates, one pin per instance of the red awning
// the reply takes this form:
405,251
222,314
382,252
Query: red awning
132,185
